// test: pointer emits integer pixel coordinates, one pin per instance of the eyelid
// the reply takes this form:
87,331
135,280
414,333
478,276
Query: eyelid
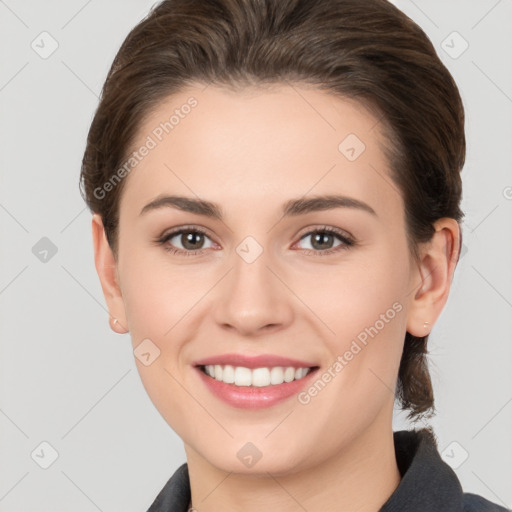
329,229
189,227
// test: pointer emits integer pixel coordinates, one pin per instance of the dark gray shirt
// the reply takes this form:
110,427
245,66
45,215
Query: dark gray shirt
428,484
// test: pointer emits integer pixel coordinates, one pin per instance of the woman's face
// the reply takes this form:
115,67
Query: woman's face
265,278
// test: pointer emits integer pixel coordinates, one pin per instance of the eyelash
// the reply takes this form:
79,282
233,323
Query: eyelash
347,241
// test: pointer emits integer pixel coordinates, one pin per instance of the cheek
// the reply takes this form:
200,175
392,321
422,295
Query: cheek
156,294
354,296
158,300
365,310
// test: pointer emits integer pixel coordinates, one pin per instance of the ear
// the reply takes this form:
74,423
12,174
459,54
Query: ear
433,275
106,267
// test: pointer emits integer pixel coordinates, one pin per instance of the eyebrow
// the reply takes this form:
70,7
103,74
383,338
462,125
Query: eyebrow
291,208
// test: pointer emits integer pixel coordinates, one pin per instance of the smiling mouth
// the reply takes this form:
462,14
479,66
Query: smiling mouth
257,377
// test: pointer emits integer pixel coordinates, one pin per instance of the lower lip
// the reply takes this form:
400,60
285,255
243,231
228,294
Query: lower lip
253,397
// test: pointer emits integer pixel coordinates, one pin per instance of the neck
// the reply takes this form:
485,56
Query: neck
360,477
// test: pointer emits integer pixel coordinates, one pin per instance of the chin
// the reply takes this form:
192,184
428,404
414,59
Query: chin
249,460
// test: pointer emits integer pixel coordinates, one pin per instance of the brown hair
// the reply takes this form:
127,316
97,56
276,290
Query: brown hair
367,50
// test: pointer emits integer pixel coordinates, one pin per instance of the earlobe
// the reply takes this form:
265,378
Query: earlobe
106,267
116,326
432,277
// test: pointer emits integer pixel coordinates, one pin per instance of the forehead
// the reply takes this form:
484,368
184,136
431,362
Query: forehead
285,140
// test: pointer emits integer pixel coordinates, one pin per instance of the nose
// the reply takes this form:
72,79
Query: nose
253,298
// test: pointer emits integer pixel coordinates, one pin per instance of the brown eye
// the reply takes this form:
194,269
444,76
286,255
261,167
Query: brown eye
187,241
191,240
324,241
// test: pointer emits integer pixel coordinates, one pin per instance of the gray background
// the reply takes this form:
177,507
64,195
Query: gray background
67,380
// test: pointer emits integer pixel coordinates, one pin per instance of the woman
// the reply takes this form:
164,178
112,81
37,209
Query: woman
275,189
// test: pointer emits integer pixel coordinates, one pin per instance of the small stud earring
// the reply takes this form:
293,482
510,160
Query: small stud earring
425,325
116,324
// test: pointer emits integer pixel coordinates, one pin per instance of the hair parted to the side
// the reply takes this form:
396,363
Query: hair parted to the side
366,50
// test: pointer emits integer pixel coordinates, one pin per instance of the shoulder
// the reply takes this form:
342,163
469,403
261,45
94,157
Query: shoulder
474,503
175,495
428,483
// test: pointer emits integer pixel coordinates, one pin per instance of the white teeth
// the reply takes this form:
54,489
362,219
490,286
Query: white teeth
228,374
259,377
243,376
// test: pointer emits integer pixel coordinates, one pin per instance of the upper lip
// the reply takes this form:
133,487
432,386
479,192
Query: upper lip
260,361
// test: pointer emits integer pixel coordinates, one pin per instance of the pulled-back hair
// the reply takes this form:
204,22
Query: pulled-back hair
367,50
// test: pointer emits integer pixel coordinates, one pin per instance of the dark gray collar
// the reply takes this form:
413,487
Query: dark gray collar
428,484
